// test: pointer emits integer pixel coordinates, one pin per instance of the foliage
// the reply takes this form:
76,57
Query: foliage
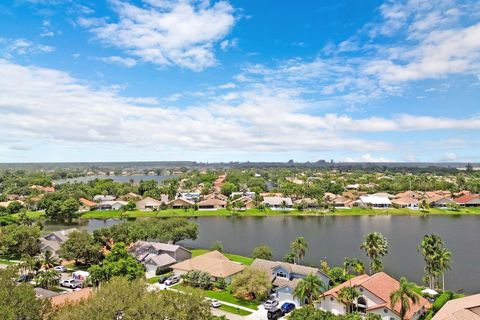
309,288
299,247
18,301
130,300
353,266
61,209
13,207
227,188
347,295
251,284
337,275
116,263
162,230
376,246
405,294
310,313
198,279
48,279
441,300
217,246
289,257
262,252
20,239
80,246
437,258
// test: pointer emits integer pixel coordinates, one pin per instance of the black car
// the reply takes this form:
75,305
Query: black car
162,279
24,278
274,314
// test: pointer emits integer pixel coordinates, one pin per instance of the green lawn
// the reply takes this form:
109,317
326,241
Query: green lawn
234,257
7,262
223,296
258,213
234,310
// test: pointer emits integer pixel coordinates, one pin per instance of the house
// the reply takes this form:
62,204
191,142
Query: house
212,204
286,276
249,194
406,202
213,262
131,196
467,308
374,298
100,197
111,205
247,202
278,203
471,200
409,194
157,255
52,241
43,189
355,186
180,203
441,202
342,202
374,202
86,205
384,194
148,204
215,196
307,202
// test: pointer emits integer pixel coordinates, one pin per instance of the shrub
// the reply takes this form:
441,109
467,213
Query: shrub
441,300
159,271
198,279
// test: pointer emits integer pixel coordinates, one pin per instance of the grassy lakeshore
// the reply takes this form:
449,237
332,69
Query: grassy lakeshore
258,213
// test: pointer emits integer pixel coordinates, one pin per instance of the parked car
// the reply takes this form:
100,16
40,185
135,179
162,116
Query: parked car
162,279
60,268
71,283
274,314
287,307
269,304
172,280
215,303
24,278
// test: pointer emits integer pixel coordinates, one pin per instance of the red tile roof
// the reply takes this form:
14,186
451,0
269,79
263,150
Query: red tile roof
466,198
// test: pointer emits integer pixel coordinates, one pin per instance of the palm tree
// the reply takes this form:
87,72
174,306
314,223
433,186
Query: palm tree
48,259
376,246
299,246
309,288
48,279
404,294
348,295
353,266
430,246
29,265
444,258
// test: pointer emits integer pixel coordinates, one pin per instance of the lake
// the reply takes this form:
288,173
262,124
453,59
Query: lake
334,238
135,178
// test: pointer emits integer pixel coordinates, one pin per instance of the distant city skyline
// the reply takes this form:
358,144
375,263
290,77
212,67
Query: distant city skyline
220,81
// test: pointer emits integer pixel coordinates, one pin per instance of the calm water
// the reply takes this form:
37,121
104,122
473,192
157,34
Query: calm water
334,238
135,178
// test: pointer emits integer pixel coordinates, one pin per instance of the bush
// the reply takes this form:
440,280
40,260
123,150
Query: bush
198,279
159,271
441,300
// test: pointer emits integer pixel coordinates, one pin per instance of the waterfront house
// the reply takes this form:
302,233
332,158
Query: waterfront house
247,202
100,197
148,203
471,200
157,255
180,203
249,194
467,308
278,203
409,194
53,240
374,298
212,204
86,205
406,202
111,205
374,202
286,276
213,263
190,196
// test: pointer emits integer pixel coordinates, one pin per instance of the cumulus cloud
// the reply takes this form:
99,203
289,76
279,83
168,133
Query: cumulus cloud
166,33
12,47
123,61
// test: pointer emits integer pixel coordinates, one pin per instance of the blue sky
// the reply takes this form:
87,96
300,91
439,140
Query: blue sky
215,81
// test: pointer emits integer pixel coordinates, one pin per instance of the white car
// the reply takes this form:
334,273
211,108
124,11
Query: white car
269,304
215,303
172,280
60,269
71,283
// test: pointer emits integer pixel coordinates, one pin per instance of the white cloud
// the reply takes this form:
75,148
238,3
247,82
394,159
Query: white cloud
449,156
12,47
366,158
228,85
167,32
228,44
126,62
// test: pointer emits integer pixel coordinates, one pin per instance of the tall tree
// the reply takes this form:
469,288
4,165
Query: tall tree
376,246
262,252
353,266
309,288
430,247
299,247
81,247
444,259
405,294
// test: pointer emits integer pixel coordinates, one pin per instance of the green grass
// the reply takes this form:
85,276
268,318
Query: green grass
257,213
35,215
223,296
74,267
234,310
7,262
153,280
234,257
